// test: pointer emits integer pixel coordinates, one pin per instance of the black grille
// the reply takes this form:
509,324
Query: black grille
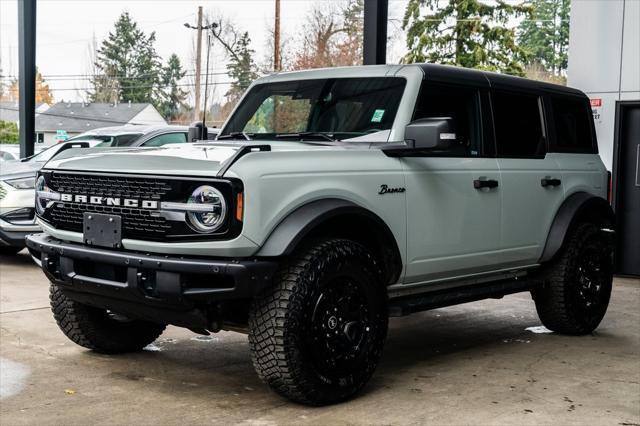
137,223
110,186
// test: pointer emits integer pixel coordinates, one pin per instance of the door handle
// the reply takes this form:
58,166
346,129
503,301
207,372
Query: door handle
485,183
549,181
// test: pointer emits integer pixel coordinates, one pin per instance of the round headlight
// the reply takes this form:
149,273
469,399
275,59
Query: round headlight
41,203
209,209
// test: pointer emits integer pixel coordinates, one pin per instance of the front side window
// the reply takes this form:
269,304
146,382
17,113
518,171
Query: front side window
167,138
460,104
339,108
518,125
572,124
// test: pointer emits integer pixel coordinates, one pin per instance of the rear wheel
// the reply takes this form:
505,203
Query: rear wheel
317,334
99,329
577,285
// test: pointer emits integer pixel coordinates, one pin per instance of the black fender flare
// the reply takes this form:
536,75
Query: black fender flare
298,224
577,207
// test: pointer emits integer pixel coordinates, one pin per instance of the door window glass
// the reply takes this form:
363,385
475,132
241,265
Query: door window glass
518,125
461,105
167,138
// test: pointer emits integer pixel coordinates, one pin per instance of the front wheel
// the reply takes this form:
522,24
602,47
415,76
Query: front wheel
10,250
577,285
99,329
317,334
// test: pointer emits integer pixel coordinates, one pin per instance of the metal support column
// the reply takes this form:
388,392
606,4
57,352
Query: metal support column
375,31
27,74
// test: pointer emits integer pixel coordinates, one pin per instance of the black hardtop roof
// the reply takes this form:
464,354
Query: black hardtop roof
491,79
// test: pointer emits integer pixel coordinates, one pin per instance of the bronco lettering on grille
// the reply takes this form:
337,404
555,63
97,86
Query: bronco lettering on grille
109,201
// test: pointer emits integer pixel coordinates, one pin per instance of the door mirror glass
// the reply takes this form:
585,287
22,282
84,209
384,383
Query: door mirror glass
434,133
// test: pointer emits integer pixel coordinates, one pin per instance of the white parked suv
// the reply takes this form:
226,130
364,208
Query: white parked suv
332,200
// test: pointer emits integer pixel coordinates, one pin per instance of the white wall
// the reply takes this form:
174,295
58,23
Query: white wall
149,115
604,59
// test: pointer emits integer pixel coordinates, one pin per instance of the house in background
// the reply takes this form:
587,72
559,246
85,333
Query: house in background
72,118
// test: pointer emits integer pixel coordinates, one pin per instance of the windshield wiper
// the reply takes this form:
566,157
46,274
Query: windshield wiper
303,135
236,135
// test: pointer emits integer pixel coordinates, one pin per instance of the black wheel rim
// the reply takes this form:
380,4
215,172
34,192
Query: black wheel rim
593,273
341,328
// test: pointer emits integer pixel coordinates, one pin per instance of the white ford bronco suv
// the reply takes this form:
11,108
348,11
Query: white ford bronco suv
331,200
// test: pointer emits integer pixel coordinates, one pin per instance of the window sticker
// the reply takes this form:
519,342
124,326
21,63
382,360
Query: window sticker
377,116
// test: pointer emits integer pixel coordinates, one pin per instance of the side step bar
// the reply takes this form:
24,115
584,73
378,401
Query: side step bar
439,299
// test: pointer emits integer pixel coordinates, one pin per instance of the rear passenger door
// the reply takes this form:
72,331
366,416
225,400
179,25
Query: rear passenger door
531,183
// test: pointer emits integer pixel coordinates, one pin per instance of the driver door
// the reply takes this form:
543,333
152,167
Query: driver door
453,227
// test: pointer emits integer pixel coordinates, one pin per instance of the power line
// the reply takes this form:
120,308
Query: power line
65,77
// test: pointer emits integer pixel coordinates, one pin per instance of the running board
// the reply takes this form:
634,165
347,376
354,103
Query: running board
439,299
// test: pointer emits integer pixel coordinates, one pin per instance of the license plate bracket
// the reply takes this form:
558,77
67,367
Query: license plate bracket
104,230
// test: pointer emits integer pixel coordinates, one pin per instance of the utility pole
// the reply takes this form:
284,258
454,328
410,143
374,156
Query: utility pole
198,63
277,60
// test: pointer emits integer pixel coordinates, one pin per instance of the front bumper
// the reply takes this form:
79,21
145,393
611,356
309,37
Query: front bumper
176,290
13,235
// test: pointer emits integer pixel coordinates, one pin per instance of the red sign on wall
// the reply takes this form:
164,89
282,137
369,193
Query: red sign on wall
596,103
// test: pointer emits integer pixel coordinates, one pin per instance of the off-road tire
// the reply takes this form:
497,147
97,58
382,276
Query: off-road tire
10,251
287,328
561,302
95,329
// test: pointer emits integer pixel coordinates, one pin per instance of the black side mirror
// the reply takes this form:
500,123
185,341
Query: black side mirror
425,134
197,131
430,133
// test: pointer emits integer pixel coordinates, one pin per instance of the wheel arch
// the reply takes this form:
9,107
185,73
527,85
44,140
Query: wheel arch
578,207
336,218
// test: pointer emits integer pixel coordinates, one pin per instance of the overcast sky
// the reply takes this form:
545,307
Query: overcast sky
65,29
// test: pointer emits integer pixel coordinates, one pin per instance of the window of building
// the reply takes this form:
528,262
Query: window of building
461,105
518,125
572,124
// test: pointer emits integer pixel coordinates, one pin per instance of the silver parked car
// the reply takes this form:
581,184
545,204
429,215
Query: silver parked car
17,195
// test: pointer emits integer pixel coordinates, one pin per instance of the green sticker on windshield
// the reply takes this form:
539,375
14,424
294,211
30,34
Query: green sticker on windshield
377,116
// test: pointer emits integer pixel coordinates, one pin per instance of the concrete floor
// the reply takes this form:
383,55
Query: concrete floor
470,364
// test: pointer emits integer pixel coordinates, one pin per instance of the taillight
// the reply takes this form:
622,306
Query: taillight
609,188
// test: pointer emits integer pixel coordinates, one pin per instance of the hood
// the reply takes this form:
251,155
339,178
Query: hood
18,169
199,159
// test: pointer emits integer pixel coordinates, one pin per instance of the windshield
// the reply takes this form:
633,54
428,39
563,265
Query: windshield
334,109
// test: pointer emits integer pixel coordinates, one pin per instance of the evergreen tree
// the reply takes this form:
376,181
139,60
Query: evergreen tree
173,97
127,64
468,33
545,37
241,67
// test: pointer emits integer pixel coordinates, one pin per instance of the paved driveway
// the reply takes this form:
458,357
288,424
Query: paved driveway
470,364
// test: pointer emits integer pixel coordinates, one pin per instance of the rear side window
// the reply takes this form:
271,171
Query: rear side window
167,138
572,124
518,125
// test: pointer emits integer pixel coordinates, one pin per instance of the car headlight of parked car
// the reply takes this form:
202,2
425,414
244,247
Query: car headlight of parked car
207,209
22,183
